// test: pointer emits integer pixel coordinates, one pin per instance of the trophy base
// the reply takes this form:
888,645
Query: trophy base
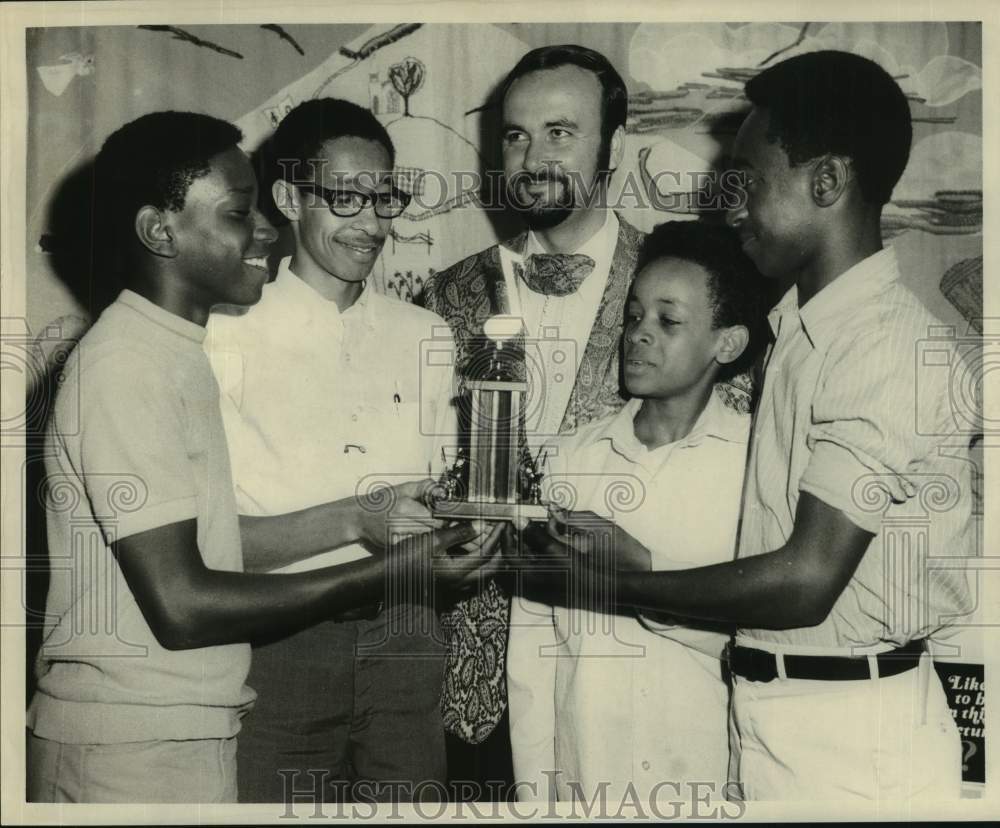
476,510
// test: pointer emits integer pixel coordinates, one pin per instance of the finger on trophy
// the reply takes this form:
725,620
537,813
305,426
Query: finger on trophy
558,523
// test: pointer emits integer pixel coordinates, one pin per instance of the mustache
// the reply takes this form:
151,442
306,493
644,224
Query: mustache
542,176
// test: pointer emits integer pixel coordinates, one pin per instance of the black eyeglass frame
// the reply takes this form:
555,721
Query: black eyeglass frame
365,200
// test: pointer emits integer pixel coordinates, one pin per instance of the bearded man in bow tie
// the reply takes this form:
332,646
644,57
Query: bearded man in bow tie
567,277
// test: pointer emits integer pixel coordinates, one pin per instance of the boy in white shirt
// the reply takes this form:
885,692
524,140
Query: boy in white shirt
604,700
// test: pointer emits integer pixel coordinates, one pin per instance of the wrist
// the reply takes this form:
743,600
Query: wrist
409,574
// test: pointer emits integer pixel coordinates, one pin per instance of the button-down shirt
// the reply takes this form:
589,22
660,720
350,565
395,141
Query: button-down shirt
320,404
857,410
556,326
601,697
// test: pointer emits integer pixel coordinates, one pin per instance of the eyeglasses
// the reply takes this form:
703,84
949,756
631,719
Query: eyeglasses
347,203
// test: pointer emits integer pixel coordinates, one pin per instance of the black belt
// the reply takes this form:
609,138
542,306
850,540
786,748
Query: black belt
758,665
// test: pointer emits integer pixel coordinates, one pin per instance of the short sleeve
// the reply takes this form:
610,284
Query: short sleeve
863,428
133,441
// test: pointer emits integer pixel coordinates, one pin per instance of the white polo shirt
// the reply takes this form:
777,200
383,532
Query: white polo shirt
614,698
319,405
135,443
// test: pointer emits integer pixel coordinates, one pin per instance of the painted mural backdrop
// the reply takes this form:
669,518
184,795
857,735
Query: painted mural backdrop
428,84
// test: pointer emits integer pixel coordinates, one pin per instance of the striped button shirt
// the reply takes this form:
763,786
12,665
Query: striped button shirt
859,409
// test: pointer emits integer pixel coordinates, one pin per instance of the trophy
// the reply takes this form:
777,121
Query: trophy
494,476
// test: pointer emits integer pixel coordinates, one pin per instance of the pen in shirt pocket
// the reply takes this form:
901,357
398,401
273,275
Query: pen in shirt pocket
396,397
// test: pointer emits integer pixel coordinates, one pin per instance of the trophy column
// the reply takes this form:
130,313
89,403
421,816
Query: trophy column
493,443
489,481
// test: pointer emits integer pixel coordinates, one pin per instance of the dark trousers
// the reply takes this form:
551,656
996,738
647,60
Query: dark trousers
347,710
483,772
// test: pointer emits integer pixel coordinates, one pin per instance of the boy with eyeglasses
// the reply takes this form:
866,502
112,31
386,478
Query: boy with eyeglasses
323,395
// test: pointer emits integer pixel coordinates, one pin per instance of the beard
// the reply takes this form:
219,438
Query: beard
564,194
548,209
545,218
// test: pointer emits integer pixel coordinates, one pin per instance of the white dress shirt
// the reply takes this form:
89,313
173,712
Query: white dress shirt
609,698
319,405
858,410
557,328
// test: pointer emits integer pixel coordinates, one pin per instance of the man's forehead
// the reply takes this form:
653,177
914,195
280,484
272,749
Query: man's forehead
351,160
561,92
751,138
231,169
337,177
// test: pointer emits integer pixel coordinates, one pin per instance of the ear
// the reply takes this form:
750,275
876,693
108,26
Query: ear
286,199
617,149
731,344
831,176
153,230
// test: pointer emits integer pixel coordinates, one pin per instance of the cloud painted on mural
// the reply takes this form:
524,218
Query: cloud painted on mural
945,79
667,56
57,77
942,161
941,190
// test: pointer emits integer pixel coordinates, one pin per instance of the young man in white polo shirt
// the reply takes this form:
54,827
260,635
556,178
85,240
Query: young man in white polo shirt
324,393
835,695
605,704
143,664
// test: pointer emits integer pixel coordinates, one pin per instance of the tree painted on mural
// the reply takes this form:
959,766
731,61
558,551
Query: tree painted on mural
407,77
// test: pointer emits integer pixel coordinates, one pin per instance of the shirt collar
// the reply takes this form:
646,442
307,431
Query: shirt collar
590,247
162,317
825,313
789,304
716,420
290,288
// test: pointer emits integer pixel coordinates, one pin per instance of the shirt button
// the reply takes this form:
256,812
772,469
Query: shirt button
645,766
354,418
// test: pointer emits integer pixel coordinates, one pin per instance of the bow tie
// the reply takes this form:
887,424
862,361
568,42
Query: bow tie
555,274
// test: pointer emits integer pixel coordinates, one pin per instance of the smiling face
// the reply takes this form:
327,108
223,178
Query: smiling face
552,143
329,246
776,223
221,238
670,347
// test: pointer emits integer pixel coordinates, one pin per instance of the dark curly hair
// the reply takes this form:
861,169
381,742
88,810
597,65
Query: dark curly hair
735,288
839,103
153,160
